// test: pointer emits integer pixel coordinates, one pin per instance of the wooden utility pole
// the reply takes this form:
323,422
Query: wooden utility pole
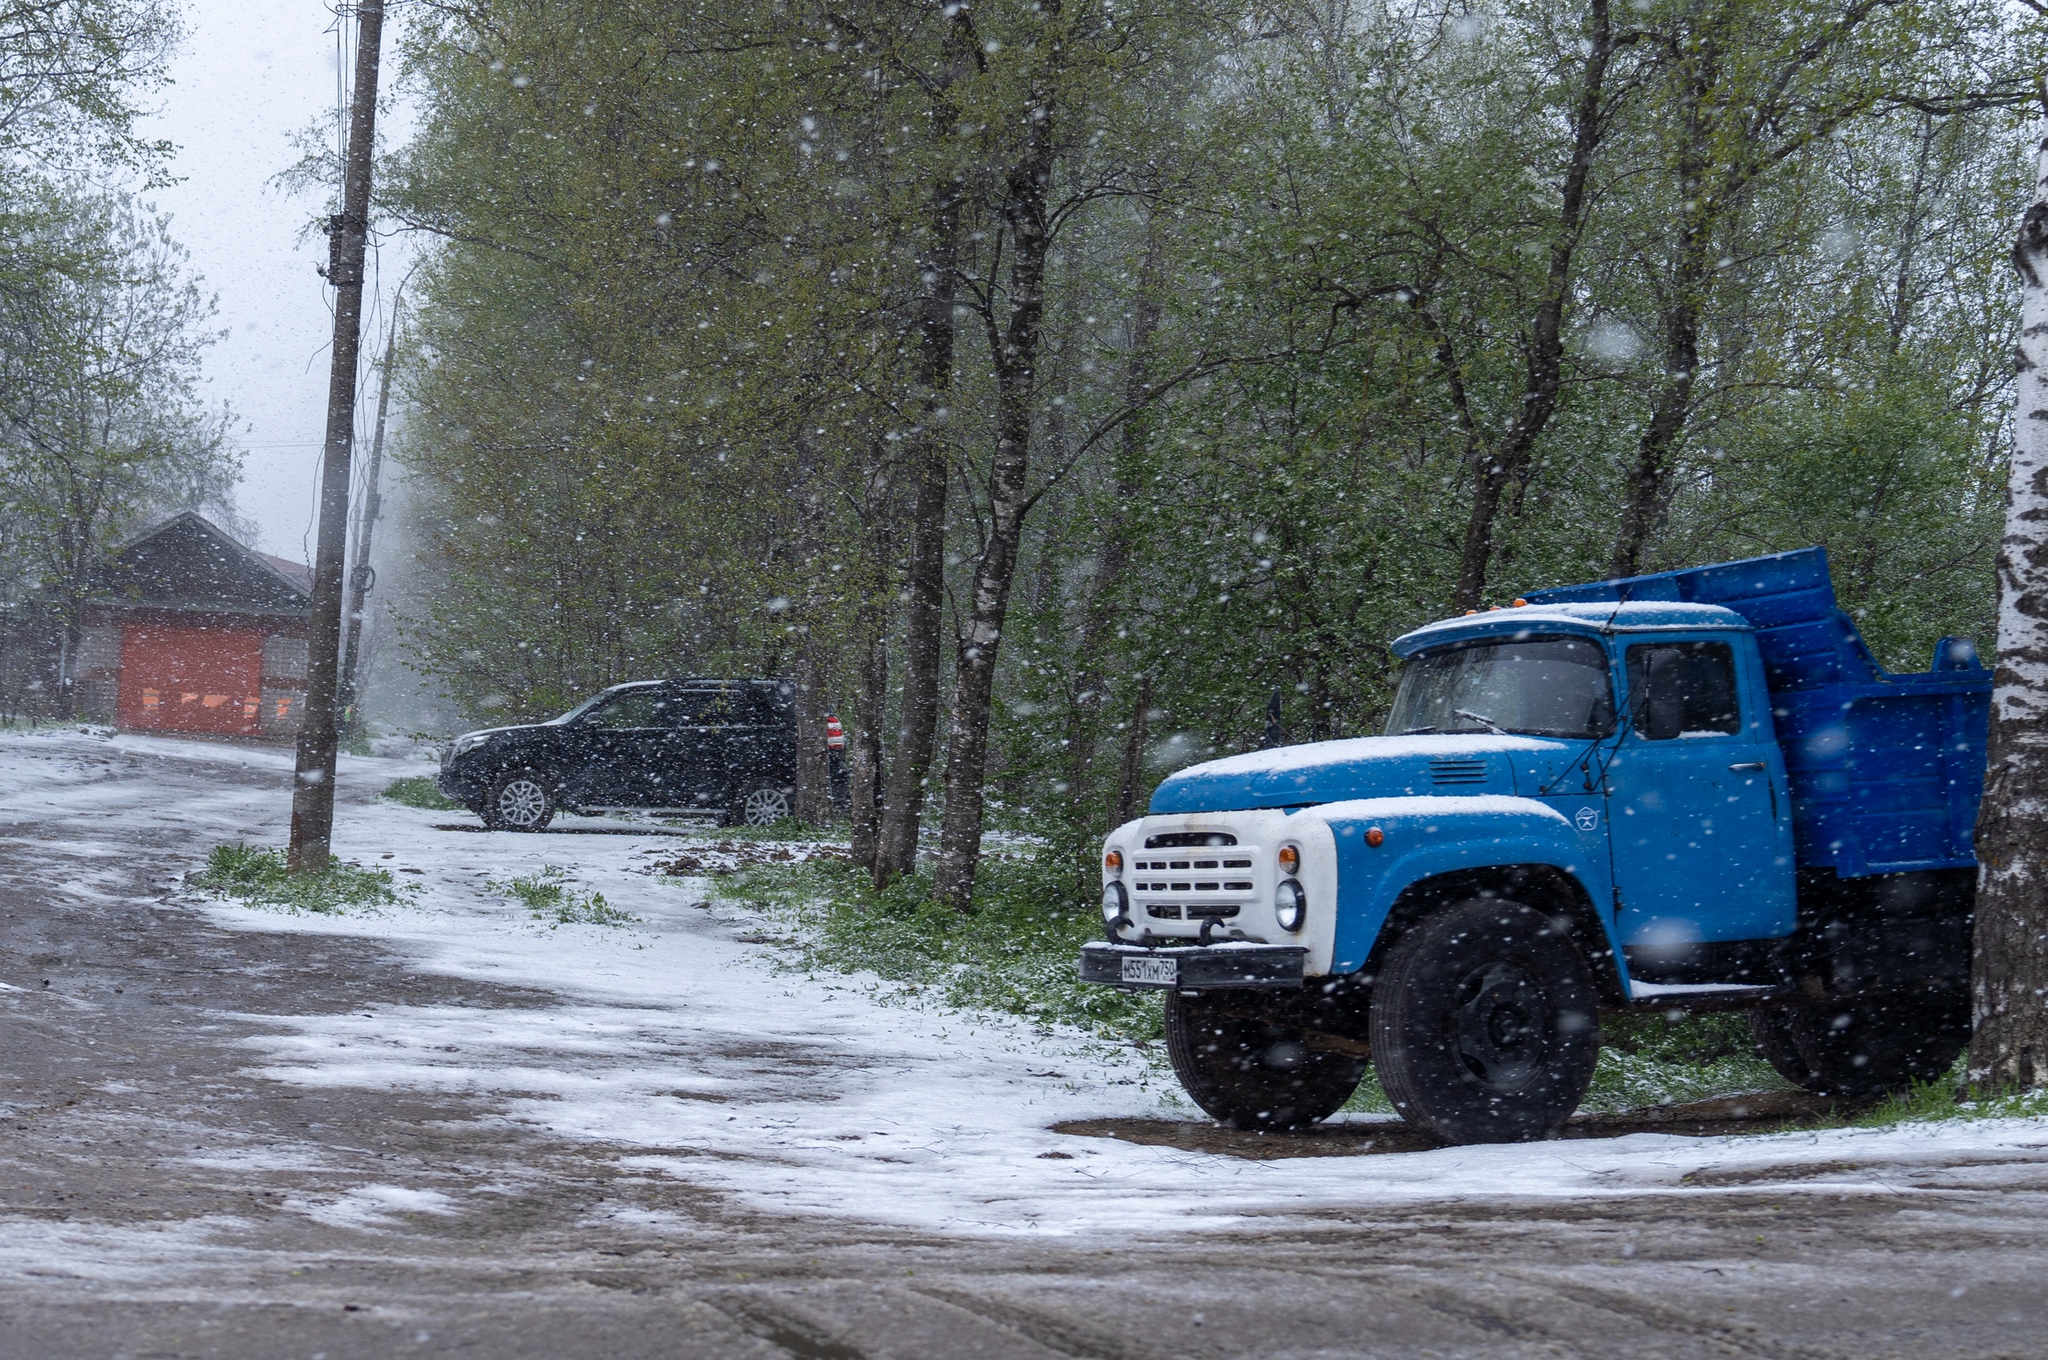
347,233
360,576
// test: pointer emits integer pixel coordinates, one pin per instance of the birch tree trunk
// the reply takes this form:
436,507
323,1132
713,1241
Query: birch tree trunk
924,572
1503,466
1649,483
864,740
1027,193
2009,970
864,763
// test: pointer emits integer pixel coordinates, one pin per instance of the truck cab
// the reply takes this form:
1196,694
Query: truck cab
1692,789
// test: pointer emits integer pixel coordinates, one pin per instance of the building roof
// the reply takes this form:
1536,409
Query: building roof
300,573
188,562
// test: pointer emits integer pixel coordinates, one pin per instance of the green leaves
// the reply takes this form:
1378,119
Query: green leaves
101,423
73,75
1289,316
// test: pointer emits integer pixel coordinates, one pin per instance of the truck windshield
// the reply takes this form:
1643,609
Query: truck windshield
1548,687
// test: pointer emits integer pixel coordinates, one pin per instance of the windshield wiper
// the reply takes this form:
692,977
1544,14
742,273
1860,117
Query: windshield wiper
1480,718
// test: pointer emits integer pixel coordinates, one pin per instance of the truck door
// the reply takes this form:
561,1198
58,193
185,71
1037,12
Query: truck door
1700,832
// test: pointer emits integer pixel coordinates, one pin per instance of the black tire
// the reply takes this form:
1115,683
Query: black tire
519,801
759,805
1485,1024
1868,1047
1250,1071
1775,1044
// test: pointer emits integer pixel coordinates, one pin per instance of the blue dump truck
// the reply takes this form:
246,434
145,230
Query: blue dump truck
1692,790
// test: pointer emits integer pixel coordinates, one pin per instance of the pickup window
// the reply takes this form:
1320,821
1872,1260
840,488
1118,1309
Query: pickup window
1546,686
636,709
1683,689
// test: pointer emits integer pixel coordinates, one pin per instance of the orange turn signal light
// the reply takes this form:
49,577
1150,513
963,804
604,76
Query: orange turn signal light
1375,837
1290,860
1113,862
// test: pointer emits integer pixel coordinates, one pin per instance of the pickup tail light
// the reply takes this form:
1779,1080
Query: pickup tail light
835,734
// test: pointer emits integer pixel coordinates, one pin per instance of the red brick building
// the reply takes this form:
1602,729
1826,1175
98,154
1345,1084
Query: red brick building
192,632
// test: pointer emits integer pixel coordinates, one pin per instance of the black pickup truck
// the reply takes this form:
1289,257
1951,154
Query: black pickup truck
724,747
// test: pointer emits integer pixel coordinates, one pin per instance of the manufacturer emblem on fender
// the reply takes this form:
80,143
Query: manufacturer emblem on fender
1586,818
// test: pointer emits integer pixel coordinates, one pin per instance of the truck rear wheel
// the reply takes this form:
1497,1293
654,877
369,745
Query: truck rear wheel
1864,1048
1248,1071
1485,1024
1775,1044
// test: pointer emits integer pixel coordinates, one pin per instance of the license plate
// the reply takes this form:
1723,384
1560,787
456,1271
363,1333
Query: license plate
1151,972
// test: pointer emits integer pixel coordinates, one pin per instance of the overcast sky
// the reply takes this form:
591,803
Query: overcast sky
250,75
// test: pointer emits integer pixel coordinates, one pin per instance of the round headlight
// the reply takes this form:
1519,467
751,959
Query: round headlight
1290,905
1115,901
1113,862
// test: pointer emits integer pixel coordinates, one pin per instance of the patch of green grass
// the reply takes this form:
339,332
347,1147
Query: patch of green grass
550,898
258,877
1370,1097
1015,953
419,791
1656,1060
1948,1097
1923,1102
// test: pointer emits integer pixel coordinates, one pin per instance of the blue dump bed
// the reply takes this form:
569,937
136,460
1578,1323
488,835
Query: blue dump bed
1886,769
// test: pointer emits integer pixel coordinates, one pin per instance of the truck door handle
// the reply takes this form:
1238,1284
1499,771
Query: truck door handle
1749,765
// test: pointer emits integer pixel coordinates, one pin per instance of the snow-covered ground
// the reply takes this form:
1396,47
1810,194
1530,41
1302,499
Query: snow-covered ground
681,1042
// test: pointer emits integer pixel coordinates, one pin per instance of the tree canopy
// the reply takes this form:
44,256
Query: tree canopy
1182,355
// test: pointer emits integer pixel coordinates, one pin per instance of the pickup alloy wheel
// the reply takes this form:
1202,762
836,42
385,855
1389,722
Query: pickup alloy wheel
1485,1024
519,801
762,806
1252,1071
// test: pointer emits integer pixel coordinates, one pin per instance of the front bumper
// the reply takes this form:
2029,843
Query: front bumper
1194,968
459,787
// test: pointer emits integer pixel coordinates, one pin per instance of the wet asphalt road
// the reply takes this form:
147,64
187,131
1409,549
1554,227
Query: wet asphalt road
153,1202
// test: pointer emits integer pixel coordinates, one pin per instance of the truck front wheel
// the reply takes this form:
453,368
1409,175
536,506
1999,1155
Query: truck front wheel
1865,1048
1485,1024
1249,1071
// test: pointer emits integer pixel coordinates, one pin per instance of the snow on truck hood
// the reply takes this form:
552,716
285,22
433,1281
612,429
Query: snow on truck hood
1358,767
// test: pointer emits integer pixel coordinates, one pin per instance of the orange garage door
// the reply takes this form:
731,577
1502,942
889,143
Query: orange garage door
191,680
